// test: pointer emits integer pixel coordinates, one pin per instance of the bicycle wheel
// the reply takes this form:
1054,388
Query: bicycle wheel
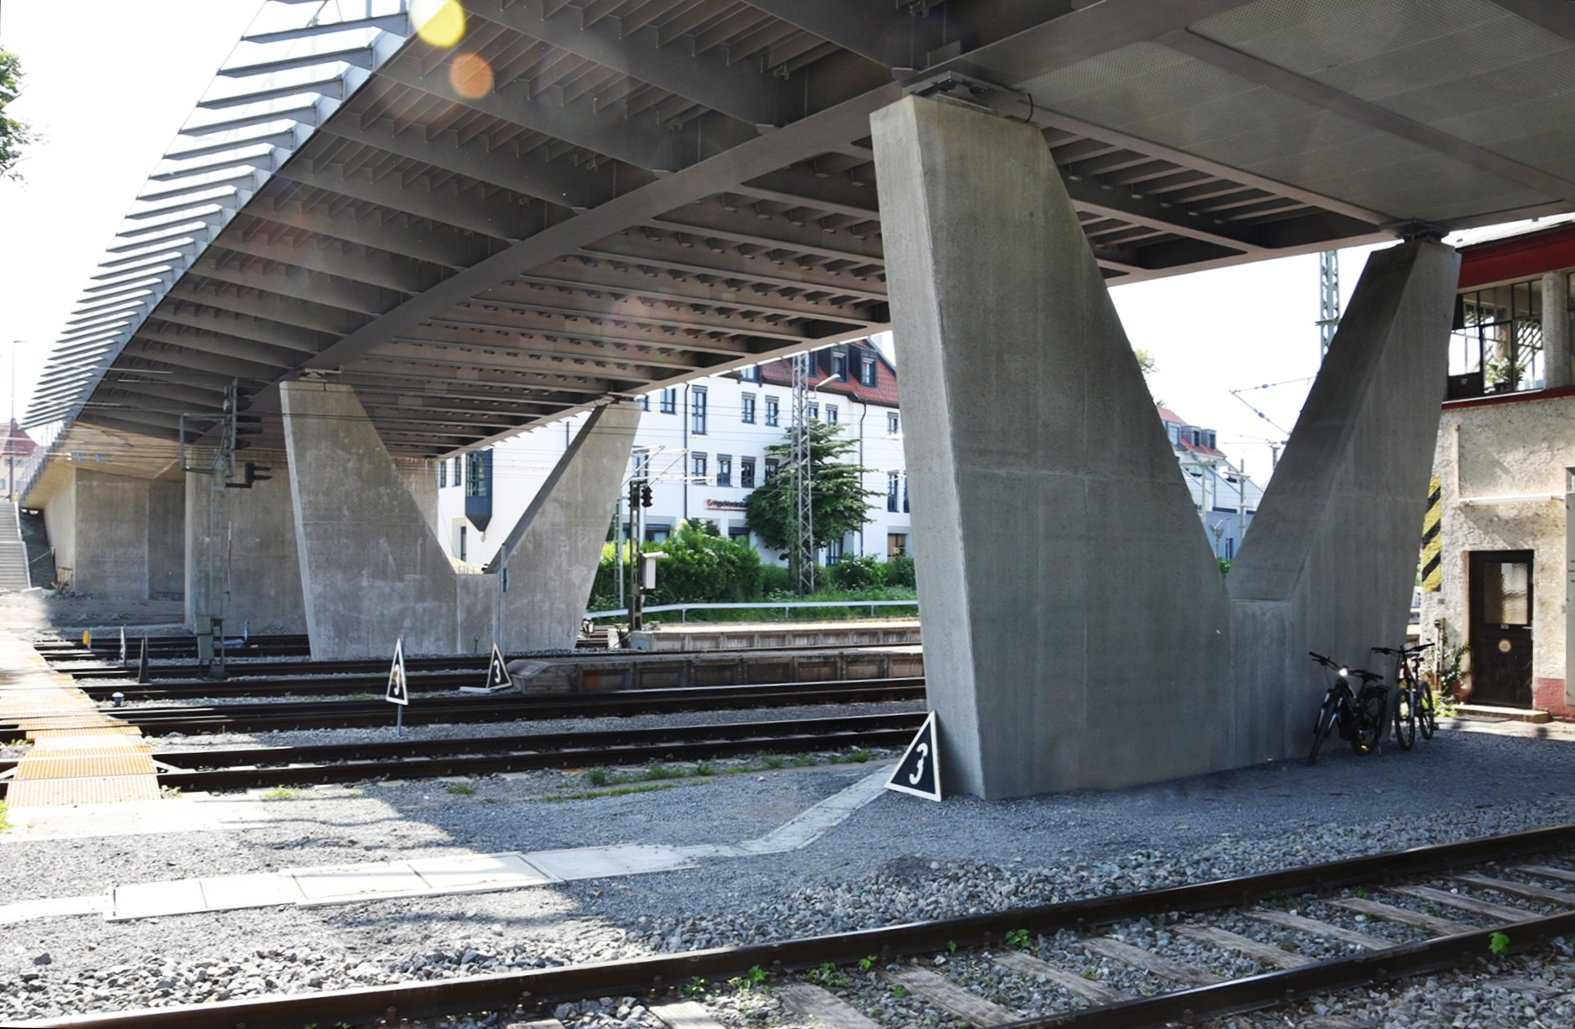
1405,718
1321,729
1426,712
1369,711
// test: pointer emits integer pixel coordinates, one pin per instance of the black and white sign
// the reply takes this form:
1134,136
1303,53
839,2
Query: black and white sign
497,675
142,662
396,693
122,644
919,771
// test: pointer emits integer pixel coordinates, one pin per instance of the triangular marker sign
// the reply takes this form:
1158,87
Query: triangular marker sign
142,662
396,693
919,771
497,675
122,644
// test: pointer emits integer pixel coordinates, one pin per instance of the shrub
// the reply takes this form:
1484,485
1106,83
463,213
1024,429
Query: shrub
899,572
856,573
775,579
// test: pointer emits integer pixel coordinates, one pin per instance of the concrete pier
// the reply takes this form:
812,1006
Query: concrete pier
1077,630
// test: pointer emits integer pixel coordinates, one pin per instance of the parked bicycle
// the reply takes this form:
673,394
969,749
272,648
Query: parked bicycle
1358,714
1413,699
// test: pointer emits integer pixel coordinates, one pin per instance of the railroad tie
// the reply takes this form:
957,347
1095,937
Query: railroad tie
1427,923
1263,953
684,1014
944,994
820,1004
1314,927
1148,961
1087,989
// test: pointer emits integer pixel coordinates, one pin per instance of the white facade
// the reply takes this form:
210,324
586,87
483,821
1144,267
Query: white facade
1225,498
702,447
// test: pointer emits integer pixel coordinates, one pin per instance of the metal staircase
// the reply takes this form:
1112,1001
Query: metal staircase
13,555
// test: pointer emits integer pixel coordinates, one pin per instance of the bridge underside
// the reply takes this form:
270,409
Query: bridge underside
568,203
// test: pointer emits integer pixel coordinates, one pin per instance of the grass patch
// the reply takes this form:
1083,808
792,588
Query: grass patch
614,791
280,793
461,789
852,757
5,823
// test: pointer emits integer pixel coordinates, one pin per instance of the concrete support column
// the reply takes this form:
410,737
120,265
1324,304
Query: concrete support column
1331,559
371,570
117,536
264,580
1075,622
1556,329
1569,586
552,553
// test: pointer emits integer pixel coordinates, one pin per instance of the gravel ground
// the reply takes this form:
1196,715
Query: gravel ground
897,859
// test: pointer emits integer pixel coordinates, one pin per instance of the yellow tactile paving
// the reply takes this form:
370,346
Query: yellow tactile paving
80,755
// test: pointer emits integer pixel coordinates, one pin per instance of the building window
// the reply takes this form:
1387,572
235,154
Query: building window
750,374
461,547
645,402
724,470
896,545
657,533
697,410
773,416
1496,346
813,408
839,364
442,474
891,490
772,464
457,477
748,411
831,414
697,469
738,533
834,551
746,472
867,370
475,482
670,401
641,460
893,423
905,494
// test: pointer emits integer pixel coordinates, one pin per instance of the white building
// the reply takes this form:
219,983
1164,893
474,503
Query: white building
1225,498
703,447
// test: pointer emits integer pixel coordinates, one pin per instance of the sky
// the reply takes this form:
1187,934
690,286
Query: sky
107,100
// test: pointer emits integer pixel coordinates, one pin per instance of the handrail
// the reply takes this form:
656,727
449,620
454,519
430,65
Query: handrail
784,605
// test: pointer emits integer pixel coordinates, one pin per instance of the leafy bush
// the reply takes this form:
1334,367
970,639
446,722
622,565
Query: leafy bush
775,579
705,568
899,573
856,573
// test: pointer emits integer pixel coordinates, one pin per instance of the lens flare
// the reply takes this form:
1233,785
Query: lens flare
438,22
470,75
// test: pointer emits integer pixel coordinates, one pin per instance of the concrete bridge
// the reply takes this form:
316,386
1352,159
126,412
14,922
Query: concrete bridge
384,243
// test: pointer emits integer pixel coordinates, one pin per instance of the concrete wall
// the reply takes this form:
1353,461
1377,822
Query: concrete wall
372,570
265,572
1079,635
1071,629
166,540
116,536
60,521
1332,552
1514,447
551,555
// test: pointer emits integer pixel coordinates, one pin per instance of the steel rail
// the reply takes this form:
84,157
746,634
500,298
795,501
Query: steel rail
637,976
571,750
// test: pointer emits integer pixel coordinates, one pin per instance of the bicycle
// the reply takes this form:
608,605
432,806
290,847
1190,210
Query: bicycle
1360,714
1413,700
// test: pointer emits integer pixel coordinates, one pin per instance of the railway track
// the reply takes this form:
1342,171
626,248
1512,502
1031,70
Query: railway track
1503,895
503,707
230,769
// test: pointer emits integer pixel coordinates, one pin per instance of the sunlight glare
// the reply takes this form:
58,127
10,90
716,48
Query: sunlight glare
438,22
470,75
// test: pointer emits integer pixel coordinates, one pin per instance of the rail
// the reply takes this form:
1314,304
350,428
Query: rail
784,606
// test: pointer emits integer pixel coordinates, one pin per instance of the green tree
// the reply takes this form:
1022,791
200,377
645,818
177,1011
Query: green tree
14,135
838,500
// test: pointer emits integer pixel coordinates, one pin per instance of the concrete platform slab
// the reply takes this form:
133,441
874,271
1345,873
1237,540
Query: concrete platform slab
600,862
53,907
490,871
356,882
265,889
149,900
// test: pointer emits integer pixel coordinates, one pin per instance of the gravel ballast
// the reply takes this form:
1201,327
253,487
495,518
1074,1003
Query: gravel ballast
897,859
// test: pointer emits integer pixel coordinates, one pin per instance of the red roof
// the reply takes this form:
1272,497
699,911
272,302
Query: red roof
1518,257
17,442
882,394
